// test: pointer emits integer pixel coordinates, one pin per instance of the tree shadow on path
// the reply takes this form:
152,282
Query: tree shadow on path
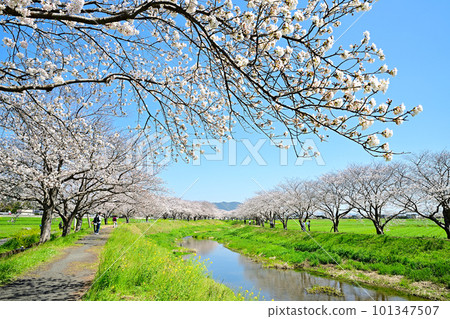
66,278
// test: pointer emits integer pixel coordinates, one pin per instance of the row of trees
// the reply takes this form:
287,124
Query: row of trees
164,207
68,161
378,192
150,205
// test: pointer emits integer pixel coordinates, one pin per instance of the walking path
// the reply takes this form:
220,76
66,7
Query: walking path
66,278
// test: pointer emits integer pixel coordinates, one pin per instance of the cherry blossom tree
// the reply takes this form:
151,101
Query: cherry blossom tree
252,208
153,206
200,67
280,203
133,198
301,198
371,190
330,193
262,207
42,153
426,187
66,159
204,210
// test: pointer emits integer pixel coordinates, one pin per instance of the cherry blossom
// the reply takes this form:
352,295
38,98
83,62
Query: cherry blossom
196,68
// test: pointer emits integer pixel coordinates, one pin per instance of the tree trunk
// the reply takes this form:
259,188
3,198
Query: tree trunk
245,221
146,219
127,219
378,227
336,226
46,224
106,220
89,221
67,226
446,214
272,224
284,224
79,223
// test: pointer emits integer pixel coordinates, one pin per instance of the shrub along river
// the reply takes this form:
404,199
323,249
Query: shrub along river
240,273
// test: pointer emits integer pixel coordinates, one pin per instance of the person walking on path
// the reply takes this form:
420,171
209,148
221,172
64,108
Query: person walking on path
115,221
97,222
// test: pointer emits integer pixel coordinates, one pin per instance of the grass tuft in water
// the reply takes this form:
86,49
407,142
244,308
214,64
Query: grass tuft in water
330,291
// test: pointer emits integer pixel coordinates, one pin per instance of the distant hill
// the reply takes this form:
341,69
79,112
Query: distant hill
228,206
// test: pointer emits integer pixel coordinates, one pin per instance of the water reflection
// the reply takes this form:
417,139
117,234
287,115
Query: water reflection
240,273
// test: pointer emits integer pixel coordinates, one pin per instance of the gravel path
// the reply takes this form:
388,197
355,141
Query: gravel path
66,278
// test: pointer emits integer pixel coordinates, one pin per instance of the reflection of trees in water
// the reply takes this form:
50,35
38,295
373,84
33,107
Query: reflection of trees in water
283,284
291,285
201,246
286,284
355,293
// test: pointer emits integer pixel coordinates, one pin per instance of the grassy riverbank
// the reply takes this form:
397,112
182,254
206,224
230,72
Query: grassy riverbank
15,265
143,262
418,266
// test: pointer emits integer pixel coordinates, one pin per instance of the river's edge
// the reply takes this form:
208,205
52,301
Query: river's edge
421,289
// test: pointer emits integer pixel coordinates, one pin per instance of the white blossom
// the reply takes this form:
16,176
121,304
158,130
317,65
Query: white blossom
387,133
75,6
416,110
58,79
373,140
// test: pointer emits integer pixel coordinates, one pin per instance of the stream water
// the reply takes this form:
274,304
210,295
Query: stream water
240,273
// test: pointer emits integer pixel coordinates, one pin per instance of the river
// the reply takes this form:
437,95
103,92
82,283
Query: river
240,273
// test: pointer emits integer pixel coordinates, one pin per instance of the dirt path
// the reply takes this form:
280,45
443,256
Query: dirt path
66,278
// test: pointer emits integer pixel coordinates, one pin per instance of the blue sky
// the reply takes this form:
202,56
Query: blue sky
414,37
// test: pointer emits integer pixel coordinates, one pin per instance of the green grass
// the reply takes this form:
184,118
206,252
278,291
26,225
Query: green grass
24,239
29,224
25,231
150,267
13,266
397,227
330,291
418,259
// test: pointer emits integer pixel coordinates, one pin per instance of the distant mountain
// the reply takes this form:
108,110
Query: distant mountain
228,206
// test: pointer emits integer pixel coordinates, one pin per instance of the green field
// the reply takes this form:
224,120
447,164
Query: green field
25,231
396,227
8,229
